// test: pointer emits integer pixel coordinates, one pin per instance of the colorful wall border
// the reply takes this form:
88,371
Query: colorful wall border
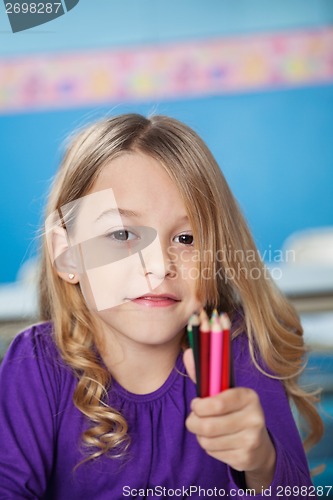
169,71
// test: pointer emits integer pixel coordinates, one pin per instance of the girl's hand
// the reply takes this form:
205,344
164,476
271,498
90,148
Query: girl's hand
231,427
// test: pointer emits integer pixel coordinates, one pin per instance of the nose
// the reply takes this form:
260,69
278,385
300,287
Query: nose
158,261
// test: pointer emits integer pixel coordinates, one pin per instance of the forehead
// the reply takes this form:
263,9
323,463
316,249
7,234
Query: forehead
139,182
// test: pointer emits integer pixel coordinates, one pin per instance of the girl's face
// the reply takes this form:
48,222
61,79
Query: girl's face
144,247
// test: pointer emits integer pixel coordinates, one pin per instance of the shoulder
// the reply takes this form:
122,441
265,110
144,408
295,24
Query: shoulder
33,382
36,340
250,365
240,340
33,354
245,350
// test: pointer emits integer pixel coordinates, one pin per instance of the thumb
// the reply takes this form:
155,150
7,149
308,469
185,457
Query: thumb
188,360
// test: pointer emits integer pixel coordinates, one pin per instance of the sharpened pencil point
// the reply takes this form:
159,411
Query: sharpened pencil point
225,321
214,315
216,325
195,319
203,315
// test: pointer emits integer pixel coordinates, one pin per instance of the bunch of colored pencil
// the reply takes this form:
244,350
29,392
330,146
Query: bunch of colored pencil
211,344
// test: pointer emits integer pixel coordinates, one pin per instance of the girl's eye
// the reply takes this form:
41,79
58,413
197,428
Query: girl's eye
185,239
122,235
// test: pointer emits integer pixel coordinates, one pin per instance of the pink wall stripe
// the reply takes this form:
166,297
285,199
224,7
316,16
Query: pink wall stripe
169,71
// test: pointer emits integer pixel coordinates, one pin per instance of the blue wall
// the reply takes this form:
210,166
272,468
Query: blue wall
275,148
106,23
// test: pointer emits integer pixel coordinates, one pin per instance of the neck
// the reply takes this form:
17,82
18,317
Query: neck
139,368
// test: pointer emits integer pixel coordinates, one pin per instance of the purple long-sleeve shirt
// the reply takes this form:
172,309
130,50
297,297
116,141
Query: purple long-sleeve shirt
40,432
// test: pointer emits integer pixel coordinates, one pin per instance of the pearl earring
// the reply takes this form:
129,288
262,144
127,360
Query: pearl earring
71,276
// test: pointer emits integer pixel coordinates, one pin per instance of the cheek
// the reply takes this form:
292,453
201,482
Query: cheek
112,285
194,303
87,292
189,273
189,277
188,267
108,285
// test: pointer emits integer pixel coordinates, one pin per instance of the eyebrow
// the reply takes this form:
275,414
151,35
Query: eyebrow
129,213
183,218
118,211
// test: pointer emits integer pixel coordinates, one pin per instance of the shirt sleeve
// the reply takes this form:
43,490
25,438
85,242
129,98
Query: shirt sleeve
292,477
28,394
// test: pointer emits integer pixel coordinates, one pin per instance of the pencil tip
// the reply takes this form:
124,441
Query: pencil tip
214,316
203,315
194,320
216,325
225,321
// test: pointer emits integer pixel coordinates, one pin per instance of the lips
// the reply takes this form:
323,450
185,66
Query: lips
157,300
166,296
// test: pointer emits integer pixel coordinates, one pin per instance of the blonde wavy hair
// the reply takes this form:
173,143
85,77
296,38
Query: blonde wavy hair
271,323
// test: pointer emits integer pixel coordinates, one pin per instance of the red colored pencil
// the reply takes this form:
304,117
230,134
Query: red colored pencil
204,353
193,336
226,352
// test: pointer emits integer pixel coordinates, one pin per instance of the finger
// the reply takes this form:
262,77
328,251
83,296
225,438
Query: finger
213,427
189,364
222,443
225,402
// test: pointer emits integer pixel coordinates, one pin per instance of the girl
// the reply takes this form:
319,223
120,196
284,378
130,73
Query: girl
141,232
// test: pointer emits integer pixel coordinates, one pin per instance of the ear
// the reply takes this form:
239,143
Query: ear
61,255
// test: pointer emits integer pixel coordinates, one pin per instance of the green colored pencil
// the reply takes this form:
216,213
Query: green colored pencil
193,335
